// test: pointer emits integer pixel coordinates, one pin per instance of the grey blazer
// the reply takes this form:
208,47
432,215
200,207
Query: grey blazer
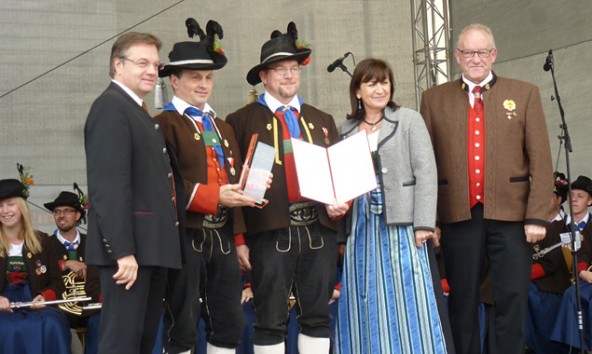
407,168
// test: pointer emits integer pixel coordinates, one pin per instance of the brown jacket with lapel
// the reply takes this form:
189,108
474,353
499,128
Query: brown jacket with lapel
518,168
256,118
191,155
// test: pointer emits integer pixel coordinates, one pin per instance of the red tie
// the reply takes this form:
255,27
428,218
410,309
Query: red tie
144,107
478,104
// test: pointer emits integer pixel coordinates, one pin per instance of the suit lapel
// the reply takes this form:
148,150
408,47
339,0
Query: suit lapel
139,111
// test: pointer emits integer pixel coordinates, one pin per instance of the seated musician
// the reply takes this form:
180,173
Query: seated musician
29,267
550,277
79,280
565,329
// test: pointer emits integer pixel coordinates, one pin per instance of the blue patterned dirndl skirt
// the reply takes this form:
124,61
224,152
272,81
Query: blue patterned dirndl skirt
387,302
25,331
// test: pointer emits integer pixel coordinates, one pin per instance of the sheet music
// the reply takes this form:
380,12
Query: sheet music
566,239
352,167
314,171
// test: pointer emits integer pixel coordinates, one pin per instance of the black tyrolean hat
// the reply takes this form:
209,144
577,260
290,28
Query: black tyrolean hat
202,55
67,199
11,188
279,48
584,183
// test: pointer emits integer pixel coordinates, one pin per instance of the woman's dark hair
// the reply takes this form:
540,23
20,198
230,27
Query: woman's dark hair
367,70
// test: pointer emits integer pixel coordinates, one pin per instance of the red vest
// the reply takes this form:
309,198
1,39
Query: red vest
476,156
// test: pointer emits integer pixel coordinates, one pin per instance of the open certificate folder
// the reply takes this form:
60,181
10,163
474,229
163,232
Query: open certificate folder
341,172
258,163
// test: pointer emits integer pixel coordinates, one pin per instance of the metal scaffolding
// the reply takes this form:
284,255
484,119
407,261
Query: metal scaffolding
431,44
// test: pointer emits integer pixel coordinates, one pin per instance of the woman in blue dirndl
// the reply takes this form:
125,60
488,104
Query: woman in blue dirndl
29,267
387,302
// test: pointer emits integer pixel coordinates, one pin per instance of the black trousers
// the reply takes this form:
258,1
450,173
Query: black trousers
465,246
440,300
212,272
302,258
129,318
183,301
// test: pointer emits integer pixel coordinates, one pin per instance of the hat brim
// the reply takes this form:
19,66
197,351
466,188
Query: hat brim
52,205
218,59
253,74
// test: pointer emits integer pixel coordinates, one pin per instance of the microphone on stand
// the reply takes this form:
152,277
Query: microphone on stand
338,63
549,61
565,138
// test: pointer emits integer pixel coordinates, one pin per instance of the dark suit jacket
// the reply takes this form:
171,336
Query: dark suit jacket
49,282
131,208
256,118
518,169
179,133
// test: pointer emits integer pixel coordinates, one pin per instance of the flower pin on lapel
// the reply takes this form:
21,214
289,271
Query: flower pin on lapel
510,106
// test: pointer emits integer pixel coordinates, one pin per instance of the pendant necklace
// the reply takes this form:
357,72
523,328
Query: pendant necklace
373,125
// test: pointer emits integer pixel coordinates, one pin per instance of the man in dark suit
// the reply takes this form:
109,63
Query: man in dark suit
291,242
133,233
79,279
495,180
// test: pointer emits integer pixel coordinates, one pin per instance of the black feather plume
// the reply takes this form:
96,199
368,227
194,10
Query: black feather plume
193,29
77,189
292,31
20,168
275,34
213,28
82,200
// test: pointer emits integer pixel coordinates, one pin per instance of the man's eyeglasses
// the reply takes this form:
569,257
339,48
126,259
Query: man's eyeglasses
483,53
66,212
144,64
283,71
